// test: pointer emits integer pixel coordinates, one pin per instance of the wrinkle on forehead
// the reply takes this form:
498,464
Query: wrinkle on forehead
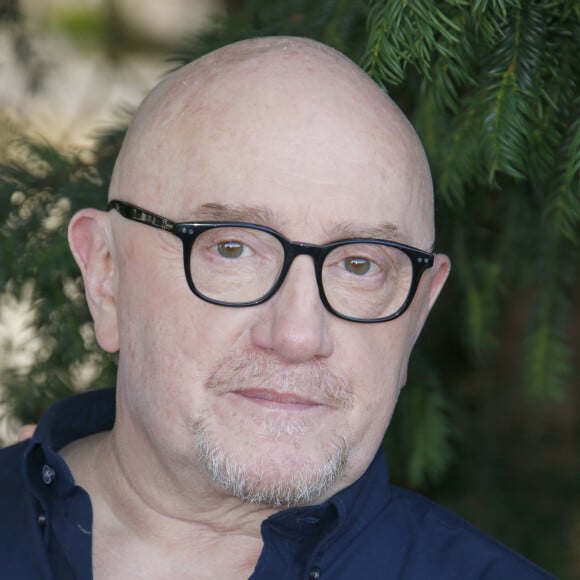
261,79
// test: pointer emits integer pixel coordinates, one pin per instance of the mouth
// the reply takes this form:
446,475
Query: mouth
277,400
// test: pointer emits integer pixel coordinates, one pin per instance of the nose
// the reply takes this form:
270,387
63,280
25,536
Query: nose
294,322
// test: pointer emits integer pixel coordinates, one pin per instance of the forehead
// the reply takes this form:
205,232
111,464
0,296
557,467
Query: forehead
312,144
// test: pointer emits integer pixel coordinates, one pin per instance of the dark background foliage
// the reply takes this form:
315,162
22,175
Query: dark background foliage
489,421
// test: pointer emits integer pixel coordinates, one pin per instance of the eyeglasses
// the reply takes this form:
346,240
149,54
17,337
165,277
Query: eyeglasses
242,264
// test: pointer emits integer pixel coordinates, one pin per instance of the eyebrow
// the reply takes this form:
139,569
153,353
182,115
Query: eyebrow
385,231
265,217
235,213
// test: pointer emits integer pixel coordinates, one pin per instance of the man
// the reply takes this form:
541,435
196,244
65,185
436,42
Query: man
264,269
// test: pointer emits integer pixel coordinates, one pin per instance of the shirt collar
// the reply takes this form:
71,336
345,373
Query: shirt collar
66,421
63,510
76,417
347,508
297,537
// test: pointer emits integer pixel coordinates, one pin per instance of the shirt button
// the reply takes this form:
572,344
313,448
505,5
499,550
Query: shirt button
41,519
48,474
314,573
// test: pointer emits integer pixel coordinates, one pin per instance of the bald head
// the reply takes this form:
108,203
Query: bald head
292,95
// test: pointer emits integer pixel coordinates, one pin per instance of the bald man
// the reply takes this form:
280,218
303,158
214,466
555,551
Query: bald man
264,268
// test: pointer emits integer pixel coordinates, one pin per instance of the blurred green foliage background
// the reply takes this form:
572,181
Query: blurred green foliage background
489,421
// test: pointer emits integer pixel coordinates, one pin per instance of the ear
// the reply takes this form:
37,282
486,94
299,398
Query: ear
91,243
439,273
437,276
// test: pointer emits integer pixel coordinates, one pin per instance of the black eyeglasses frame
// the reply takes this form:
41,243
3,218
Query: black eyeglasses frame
187,232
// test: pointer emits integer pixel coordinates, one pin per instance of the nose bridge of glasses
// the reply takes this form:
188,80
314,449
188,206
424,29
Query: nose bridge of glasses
295,249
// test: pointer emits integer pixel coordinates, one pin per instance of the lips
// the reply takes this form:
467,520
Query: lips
276,398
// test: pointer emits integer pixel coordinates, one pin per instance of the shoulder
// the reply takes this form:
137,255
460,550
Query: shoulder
440,540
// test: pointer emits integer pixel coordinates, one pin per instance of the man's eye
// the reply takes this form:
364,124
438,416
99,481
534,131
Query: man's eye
357,265
232,249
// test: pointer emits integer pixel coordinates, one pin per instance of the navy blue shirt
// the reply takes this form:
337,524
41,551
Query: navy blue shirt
369,531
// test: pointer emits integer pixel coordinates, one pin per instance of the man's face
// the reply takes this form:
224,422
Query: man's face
283,402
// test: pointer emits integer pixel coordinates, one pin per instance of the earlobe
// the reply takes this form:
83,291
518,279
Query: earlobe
91,244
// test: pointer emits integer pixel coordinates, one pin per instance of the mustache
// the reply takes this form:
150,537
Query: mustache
312,380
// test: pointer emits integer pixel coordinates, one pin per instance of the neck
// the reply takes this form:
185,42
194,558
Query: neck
144,497
155,521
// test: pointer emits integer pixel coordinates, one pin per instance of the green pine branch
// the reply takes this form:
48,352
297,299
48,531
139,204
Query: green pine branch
420,440
403,34
562,212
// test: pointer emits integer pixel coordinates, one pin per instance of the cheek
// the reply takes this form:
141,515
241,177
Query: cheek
382,353
153,303
377,373
170,340
153,297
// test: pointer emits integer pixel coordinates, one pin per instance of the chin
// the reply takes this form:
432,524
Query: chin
280,474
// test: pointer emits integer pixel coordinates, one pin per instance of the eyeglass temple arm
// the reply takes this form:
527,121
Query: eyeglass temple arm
138,214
